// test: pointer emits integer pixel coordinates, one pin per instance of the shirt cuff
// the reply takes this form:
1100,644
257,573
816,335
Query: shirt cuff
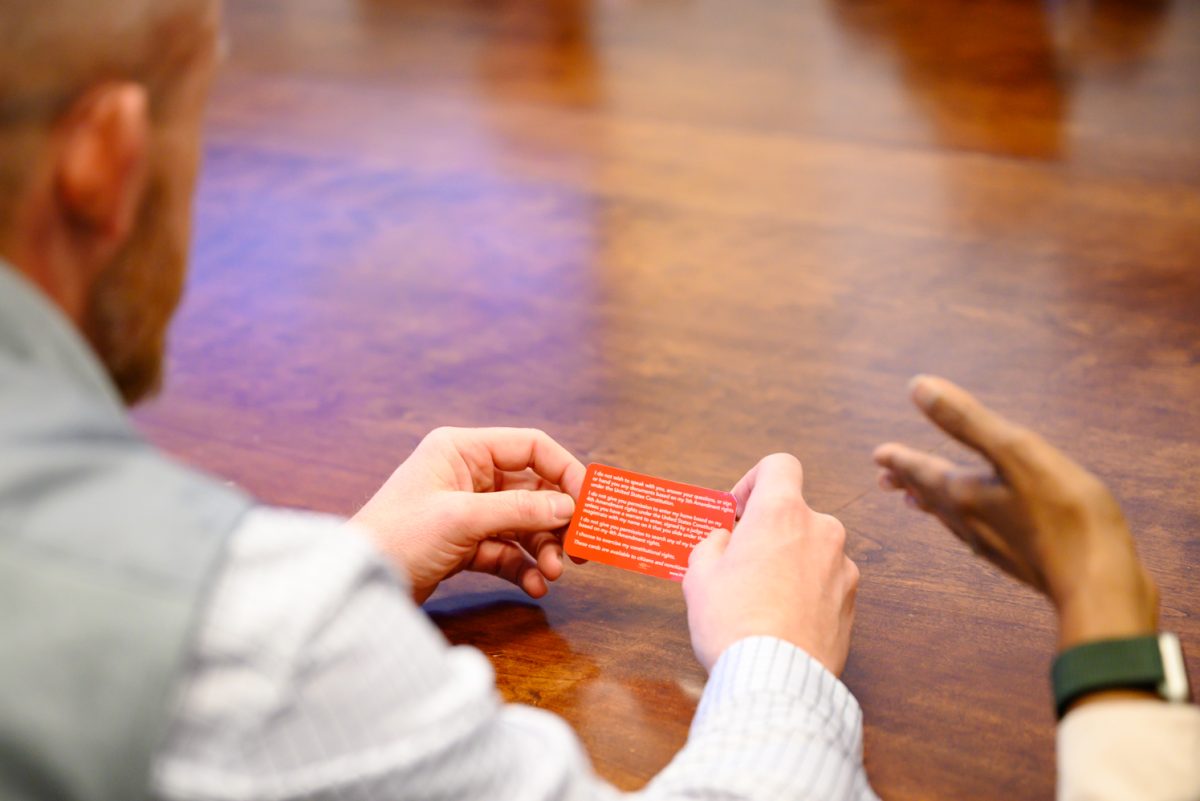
767,673
1130,749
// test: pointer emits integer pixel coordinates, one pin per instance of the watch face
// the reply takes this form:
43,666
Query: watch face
1174,686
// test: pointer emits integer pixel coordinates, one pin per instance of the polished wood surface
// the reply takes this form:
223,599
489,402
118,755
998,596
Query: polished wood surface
679,235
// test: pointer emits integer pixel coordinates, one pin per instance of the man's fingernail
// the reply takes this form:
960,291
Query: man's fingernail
923,393
564,506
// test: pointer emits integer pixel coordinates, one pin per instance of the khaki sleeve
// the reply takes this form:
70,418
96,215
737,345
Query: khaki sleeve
1144,750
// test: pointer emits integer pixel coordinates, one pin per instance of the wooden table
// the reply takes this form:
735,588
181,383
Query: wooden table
682,235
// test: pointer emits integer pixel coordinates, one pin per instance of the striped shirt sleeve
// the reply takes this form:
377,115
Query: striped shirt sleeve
313,676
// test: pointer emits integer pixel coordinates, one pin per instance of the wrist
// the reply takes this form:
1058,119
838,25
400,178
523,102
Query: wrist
1111,609
1108,696
1145,666
418,589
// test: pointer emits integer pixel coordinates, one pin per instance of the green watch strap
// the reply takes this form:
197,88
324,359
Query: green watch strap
1130,663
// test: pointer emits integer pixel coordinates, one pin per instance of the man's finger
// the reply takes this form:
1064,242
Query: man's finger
889,480
516,449
517,511
511,562
521,479
922,474
775,477
705,555
546,549
959,414
709,548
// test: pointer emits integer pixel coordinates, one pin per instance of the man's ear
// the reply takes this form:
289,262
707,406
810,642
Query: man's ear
102,165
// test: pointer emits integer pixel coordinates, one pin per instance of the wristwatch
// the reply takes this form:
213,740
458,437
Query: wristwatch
1153,663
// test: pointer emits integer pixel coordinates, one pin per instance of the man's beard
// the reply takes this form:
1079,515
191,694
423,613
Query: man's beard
133,300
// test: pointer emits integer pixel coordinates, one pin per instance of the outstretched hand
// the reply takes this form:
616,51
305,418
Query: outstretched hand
491,500
1032,511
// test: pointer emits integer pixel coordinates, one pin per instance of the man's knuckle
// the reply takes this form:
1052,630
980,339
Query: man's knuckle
781,459
833,528
784,468
1093,491
853,574
1096,501
525,506
963,490
774,505
441,434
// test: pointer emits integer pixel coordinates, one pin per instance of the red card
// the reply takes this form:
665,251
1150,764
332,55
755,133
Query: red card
644,524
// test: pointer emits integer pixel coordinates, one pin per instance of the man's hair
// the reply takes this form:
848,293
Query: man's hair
53,51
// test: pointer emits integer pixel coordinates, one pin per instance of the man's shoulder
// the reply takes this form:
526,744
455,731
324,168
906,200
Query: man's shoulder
107,547
78,481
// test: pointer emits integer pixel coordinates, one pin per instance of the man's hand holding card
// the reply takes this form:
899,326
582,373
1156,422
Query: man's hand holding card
784,573
496,500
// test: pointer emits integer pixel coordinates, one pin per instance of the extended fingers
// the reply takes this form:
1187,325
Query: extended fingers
934,481
957,412
966,501
907,468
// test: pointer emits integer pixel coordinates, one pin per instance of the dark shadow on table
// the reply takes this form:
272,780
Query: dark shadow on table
534,664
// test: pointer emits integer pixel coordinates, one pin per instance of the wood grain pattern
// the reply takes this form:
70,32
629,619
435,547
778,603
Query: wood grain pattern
681,235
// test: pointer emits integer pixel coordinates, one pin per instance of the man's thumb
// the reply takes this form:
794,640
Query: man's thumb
518,511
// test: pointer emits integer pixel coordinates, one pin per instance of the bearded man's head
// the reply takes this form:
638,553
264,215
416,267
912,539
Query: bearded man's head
100,112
